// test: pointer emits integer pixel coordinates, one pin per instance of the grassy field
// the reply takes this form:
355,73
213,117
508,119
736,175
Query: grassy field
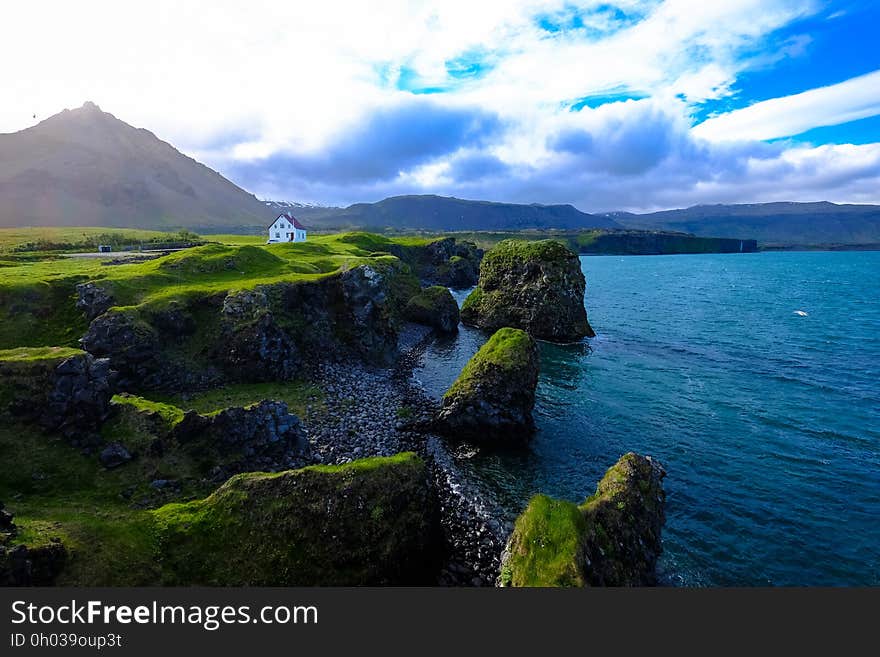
37,289
12,239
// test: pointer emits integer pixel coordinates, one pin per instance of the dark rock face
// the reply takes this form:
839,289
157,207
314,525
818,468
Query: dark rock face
254,347
71,396
493,398
93,300
535,286
369,522
129,342
22,565
612,539
366,293
434,307
262,437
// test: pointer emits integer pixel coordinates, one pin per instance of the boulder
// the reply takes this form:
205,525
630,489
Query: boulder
536,286
434,307
114,455
368,522
612,539
493,397
93,300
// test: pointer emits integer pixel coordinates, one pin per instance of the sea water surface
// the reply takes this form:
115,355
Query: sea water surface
767,420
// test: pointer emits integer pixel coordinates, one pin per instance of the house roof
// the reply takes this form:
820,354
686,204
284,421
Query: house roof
293,220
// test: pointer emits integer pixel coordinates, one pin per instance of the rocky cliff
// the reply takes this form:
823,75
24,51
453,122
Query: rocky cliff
535,286
64,390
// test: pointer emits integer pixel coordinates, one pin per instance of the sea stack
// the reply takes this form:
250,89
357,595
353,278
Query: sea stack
535,286
612,539
493,397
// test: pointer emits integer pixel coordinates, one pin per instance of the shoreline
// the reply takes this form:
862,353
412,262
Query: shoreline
361,419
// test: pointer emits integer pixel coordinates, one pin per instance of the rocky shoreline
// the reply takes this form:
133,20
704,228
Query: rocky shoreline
361,417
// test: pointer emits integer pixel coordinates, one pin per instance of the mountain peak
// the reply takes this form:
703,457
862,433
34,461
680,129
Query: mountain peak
85,167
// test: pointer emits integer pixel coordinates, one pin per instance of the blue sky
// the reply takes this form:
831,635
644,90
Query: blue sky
637,105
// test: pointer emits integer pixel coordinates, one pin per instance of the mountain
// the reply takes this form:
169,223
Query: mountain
443,213
85,167
769,223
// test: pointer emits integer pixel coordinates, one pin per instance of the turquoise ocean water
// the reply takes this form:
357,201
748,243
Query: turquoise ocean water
767,420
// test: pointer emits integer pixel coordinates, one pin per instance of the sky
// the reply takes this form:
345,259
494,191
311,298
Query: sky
635,105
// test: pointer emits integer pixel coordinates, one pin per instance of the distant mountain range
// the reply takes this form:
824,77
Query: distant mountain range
769,223
444,213
85,167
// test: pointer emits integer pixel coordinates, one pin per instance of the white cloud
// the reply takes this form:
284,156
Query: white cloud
270,92
853,99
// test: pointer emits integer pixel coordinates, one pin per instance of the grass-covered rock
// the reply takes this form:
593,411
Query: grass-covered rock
369,522
612,539
60,388
536,286
435,307
493,397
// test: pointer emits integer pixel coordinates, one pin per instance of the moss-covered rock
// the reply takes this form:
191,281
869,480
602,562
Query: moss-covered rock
612,539
203,339
26,565
493,397
60,388
369,522
260,437
435,307
536,286
447,262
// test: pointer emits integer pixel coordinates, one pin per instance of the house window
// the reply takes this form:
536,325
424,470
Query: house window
277,235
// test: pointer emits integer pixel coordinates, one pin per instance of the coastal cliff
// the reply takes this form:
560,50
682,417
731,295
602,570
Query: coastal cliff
271,388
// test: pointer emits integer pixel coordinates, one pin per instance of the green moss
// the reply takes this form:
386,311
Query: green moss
169,414
612,539
510,251
473,300
56,492
430,298
298,395
302,527
547,545
507,349
30,354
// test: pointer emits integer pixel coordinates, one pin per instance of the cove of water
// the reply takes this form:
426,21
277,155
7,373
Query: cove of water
753,378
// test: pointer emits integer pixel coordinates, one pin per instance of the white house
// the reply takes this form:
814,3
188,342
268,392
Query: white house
286,228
